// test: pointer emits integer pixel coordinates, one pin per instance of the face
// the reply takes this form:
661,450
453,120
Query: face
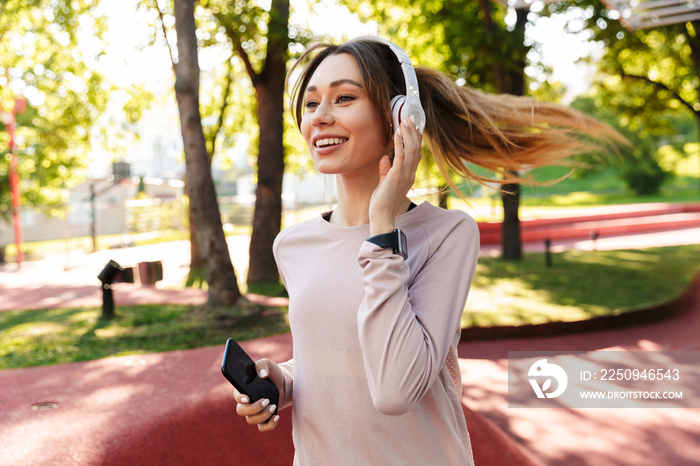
341,126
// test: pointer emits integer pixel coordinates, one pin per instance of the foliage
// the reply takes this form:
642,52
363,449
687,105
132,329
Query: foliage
640,163
664,60
65,96
117,127
651,78
228,101
433,34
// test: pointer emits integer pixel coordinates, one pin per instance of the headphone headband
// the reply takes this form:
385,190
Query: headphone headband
409,105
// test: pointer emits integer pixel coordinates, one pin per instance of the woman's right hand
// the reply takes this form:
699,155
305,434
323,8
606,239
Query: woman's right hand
259,412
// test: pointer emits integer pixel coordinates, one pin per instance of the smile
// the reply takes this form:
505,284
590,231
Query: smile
330,142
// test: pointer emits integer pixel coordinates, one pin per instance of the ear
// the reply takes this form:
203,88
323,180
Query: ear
384,166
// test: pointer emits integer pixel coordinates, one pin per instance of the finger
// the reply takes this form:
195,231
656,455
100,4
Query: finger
270,425
262,416
239,397
246,408
262,368
267,369
412,146
252,409
413,135
399,149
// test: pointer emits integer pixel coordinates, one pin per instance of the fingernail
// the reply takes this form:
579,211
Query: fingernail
272,408
276,418
265,402
263,373
244,400
413,119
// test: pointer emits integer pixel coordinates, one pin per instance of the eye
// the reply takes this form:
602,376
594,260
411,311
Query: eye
344,98
311,104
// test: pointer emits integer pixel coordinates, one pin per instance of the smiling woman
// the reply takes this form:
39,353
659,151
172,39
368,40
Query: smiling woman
377,286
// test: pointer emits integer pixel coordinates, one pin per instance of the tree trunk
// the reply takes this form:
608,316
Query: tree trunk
511,81
511,243
515,80
515,85
194,276
195,256
218,269
269,86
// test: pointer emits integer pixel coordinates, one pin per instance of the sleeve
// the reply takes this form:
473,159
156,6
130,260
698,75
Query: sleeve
288,371
405,334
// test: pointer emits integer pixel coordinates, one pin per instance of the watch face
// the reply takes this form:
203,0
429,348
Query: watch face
402,248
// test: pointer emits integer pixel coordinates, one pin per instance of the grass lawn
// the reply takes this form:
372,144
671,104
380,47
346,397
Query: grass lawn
579,285
55,336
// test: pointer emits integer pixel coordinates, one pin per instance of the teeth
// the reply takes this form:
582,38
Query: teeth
329,142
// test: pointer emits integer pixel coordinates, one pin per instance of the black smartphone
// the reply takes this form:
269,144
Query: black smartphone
239,369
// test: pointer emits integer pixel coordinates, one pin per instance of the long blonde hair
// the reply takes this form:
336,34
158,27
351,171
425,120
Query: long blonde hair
501,133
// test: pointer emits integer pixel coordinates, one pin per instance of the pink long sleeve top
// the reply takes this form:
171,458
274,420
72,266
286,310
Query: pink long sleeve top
374,378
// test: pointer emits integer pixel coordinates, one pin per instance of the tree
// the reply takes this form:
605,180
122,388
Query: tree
249,29
65,96
256,40
218,269
647,74
214,107
510,79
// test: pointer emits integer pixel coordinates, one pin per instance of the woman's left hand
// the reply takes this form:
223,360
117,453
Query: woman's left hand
395,180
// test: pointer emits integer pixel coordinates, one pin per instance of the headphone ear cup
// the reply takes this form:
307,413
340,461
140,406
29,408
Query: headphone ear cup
396,105
413,109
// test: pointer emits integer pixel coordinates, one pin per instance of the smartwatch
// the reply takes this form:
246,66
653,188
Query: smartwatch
396,240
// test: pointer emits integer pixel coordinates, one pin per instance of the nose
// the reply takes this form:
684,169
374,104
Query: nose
322,115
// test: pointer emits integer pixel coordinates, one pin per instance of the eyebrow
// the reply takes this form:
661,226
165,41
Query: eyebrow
337,83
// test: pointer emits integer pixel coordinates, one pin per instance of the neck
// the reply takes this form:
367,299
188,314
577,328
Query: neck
354,194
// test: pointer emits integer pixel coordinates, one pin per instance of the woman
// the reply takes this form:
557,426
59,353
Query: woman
378,285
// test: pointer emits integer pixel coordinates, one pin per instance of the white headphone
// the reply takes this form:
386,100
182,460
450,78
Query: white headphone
404,106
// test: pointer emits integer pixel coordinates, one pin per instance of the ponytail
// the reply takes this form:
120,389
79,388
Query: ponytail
501,133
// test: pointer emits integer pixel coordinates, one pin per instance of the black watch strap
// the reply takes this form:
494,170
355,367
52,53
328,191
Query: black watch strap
396,240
